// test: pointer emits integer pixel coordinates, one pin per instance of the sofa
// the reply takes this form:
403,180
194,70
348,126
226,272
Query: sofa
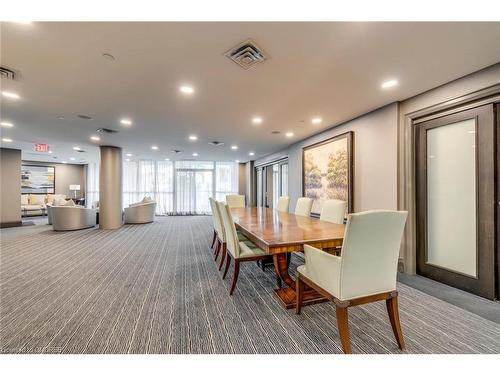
141,212
36,204
72,217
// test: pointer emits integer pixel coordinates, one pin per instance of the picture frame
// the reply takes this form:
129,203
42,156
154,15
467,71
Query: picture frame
37,179
328,170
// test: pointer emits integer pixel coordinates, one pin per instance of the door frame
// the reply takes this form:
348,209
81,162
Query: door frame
484,284
406,160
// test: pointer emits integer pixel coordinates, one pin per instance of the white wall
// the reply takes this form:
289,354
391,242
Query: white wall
375,159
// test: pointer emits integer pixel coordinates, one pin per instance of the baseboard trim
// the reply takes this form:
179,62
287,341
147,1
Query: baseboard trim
10,224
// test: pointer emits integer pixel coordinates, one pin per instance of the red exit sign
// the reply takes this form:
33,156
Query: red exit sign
42,147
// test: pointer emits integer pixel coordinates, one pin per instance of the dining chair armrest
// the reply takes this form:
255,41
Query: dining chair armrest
323,269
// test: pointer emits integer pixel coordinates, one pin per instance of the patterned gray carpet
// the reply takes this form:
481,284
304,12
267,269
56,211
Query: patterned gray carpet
155,289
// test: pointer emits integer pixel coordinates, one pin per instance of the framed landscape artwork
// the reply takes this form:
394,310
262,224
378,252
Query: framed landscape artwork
37,179
327,169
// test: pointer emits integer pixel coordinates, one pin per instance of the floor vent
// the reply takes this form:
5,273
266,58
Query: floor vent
247,54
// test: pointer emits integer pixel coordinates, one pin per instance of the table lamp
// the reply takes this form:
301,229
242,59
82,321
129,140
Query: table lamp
74,188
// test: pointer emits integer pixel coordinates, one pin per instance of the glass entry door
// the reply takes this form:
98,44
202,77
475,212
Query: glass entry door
456,200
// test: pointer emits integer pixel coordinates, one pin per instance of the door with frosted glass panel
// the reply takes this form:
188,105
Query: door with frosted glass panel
456,200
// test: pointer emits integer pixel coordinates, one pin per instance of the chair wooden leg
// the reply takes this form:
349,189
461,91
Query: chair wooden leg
216,244
343,326
235,276
213,239
228,262
299,292
392,309
219,246
223,256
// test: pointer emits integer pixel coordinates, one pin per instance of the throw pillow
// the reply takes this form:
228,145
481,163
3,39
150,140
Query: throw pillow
69,203
25,199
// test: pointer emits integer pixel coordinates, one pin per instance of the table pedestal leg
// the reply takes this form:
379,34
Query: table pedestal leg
287,294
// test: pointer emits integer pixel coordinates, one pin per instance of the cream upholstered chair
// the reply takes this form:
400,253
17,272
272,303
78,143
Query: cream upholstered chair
333,210
235,201
238,249
219,238
303,207
283,204
365,272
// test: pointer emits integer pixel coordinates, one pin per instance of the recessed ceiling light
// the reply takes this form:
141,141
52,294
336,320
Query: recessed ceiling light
167,159
95,138
71,158
6,124
76,148
193,137
127,159
316,120
60,117
195,154
65,162
251,153
8,140
185,89
289,134
50,152
389,84
129,155
257,120
126,121
237,161
234,147
10,95
154,148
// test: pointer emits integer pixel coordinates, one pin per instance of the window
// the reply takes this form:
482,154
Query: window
179,188
92,184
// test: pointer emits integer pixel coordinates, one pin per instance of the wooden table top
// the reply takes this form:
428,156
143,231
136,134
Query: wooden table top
278,232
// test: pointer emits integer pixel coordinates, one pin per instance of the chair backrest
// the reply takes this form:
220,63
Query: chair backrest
235,201
216,217
283,204
333,210
303,207
370,252
232,243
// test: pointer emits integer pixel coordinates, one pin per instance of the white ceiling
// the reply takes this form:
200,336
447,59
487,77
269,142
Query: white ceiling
331,70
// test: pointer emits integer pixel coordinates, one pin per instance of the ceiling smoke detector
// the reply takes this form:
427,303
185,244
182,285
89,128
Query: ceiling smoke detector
275,132
247,54
216,143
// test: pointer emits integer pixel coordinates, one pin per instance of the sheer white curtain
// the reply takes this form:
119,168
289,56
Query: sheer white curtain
92,188
226,179
179,188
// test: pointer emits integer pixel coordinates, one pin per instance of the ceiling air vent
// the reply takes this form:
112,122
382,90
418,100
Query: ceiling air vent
9,73
84,117
275,132
216,143
176,151
106,130
247,54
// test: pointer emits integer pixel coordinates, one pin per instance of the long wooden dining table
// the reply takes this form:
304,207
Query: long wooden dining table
279,233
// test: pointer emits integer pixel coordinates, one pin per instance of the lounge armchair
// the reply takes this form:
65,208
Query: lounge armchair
72,217
140,213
